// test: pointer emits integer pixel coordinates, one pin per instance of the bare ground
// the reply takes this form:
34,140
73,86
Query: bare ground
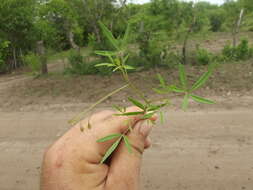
205,148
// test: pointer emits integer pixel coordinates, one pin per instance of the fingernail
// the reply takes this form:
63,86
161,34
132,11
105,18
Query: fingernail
143,129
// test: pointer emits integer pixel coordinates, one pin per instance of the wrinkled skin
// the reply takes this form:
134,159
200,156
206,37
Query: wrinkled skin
73,162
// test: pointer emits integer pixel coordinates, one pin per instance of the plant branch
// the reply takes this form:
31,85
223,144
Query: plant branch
76,119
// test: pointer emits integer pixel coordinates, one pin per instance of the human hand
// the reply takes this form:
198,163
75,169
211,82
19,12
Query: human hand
73,162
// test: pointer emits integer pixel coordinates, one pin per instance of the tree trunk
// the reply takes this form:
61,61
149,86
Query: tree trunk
14,59
72,41
42,55
237,28
184,49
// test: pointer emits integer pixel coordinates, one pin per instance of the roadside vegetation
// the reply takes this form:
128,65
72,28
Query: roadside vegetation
34,33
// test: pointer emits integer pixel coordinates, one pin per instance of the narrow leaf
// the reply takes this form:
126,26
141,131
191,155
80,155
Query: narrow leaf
148,115
173,88
109,137
127,143
125,58
128,67
202,80
110,151
130,113
201,100
105,53
161,117
104,64
137,103
157,107
118,108
109,35
117,68
162,81
185,102
182,75
126,36
161,91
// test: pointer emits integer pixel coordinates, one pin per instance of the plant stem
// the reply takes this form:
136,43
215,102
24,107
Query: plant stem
133,87
80,116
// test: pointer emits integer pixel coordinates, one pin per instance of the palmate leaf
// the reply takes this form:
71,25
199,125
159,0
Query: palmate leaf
108,34
182,75
109,137
202,80
127,143
201,100
110,151
137,103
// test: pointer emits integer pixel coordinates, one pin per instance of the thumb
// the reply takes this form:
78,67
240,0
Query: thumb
124,172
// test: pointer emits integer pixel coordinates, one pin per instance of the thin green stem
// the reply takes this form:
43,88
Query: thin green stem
80,116
132,86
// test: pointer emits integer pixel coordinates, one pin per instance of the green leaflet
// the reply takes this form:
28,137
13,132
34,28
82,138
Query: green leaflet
130,113
182,76
148,115
109,137
127,144
173,88
109,35
202,80
162,81
136,103
201,100
110,150
162,117
105,53
185,102
104,64
126,35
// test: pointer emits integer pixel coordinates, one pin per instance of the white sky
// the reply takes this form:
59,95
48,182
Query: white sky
211,1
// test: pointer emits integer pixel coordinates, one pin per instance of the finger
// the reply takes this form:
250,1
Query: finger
125,165
114,125
148,143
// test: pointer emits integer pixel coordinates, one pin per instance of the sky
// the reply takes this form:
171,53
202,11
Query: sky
211,1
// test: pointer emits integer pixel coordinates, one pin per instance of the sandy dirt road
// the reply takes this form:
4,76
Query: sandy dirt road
201,150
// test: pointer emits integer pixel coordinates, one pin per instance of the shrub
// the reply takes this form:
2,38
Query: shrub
240,52
3,55
80,65
203,56
32,61
243,51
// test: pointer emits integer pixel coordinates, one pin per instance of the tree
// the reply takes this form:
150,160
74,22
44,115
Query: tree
16,18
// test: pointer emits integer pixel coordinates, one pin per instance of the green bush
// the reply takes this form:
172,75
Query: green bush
203,56
3,56
240,52
32,61
80,65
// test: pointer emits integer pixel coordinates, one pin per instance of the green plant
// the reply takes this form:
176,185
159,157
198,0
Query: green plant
3,55
240,52
203,56
81,65
32,61
117,61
